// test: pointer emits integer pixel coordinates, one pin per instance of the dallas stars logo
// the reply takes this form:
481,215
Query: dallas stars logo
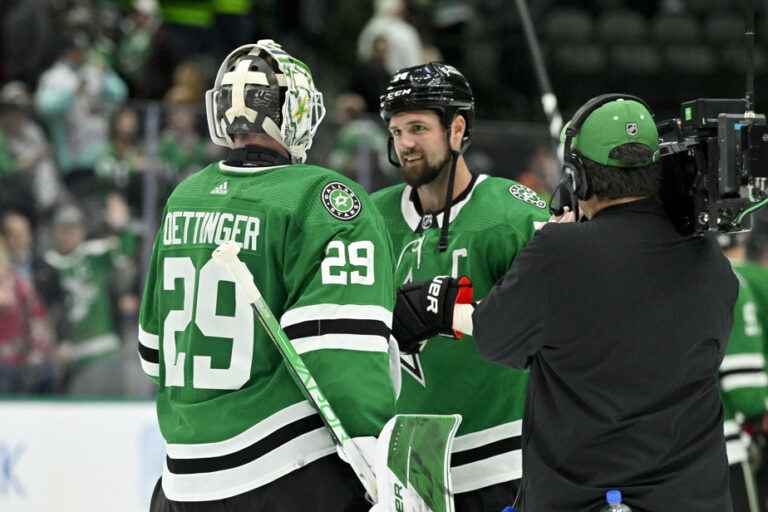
340,201
527,195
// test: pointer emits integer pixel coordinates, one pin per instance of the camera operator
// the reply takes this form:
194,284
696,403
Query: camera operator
623,323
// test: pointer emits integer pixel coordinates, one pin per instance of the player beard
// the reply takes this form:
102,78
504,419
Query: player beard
424,173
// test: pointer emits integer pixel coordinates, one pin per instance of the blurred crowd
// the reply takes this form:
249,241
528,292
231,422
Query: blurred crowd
101,114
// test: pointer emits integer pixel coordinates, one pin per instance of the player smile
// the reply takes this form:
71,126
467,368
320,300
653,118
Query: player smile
412,159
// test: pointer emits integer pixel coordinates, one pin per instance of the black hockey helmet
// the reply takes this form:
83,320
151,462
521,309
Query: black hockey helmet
433,86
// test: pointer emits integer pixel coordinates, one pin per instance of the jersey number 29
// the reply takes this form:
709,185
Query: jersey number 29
360,256
237,329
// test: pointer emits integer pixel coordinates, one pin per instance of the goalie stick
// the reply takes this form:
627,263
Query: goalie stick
226,255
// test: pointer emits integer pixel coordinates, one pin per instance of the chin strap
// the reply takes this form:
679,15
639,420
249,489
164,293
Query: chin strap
256,156
442,244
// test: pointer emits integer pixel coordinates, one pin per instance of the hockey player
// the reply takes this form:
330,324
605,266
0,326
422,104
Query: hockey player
745,389
429,110
239,434
743,383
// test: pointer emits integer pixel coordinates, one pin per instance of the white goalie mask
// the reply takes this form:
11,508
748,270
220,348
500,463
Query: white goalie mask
261,89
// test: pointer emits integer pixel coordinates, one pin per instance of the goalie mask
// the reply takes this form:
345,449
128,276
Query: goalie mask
261,89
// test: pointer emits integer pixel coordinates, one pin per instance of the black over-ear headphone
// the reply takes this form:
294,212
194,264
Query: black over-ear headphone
574,178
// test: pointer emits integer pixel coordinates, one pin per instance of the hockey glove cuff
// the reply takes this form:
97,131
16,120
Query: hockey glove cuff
424,310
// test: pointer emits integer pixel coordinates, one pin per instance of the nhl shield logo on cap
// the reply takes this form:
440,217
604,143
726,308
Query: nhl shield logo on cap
341,201
632,129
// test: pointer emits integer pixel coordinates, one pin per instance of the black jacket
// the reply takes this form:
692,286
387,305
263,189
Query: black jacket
623,324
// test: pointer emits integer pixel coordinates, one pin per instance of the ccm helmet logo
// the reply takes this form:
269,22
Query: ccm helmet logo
395,94
433,292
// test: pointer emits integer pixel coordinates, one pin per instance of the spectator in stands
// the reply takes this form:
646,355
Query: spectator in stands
389,20
188,83
28,146
134,45
125,161
94,274
17,231
182,149
76,98
187,28
371,76
22,243
26,364
360,149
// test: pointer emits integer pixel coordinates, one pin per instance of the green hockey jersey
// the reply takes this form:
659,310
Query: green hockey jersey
489,224
86,278
743,380
232,417
756,276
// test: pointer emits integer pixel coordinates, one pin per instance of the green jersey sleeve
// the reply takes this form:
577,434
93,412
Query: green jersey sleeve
338,313
149,324
743,379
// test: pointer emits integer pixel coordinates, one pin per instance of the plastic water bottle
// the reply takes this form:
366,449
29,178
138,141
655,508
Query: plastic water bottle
613,498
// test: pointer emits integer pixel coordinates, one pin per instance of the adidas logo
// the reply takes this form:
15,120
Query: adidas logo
221,189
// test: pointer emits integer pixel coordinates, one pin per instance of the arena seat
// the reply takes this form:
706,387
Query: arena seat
622,26
720,28
568,25
676,29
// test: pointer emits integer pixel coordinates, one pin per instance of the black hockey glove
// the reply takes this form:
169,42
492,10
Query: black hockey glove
424,310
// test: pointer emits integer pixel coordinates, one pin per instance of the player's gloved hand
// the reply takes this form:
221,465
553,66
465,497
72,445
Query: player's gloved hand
424,310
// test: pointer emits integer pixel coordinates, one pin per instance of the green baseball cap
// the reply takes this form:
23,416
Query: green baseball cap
616,123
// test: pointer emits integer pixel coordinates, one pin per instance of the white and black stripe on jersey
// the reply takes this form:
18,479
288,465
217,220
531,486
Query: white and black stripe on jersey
338,326
310,328
149,353
736,442
739,371
487,457
287,440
